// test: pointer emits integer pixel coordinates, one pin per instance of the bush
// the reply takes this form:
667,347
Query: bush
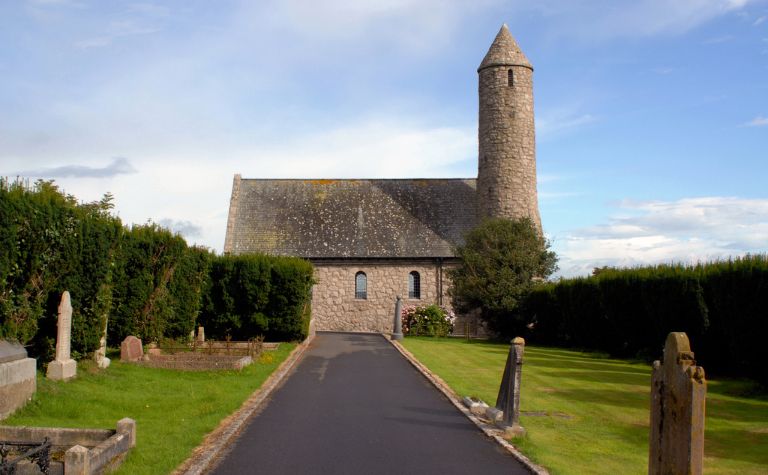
430,320
251,295
49,243
500,263
629,312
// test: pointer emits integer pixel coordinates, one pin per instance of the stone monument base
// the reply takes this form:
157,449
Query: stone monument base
62,370
17,384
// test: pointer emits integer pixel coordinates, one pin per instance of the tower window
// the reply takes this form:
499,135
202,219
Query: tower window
414,285
361,286
510,78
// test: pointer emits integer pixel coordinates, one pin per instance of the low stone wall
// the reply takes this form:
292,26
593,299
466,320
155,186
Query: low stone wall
189,361
85,451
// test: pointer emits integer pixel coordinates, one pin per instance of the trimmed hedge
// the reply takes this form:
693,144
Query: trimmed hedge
253,295
722,306
143,281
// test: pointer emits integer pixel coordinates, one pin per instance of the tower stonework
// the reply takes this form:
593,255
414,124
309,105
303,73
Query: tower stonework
506,178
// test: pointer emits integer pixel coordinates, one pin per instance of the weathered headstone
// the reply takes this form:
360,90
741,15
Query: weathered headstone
201,334
397,334
678,393
100,355
131,349
508,400
18,378
63,367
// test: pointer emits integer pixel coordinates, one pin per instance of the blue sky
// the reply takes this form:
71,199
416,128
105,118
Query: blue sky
652,115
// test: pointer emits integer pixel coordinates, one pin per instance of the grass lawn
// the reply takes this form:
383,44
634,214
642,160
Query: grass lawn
173,409
592,412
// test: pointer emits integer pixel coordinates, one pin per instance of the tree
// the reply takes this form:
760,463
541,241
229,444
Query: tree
501,261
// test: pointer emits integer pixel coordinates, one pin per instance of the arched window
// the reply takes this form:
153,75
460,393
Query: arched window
414,285
510,78
361,285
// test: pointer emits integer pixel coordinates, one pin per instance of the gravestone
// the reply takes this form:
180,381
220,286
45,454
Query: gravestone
18,378
678,393
508,400
63,367
200,335
100,355
131,349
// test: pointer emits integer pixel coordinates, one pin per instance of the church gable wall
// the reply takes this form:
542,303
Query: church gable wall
335,308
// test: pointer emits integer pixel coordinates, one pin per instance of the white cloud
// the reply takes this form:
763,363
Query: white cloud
413,26
555,122
376,148
687,230
758,121
596,19
760,20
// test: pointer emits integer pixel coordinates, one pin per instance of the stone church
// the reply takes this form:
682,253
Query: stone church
371,240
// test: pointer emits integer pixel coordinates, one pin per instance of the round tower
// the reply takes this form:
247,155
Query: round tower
506,176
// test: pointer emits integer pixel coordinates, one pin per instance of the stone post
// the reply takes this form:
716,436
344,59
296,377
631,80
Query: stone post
100,355
508,400
678,393
398,333
63,367
76,461
127,426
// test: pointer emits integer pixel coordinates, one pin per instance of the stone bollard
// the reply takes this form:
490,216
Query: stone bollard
398,333
127,426
508,400
678,393
76,461
63,367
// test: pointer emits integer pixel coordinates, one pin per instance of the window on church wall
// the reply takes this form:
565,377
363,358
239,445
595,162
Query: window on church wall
414,285
361,286
510,78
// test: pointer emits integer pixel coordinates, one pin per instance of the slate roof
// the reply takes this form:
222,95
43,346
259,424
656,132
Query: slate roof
350,218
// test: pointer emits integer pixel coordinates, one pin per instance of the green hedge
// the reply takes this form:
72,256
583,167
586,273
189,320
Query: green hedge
256,294
50,243
722,306
144,280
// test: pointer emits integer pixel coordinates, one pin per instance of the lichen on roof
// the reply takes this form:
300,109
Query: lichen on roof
352,218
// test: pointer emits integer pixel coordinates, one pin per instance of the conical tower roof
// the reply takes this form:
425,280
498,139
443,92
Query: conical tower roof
504,52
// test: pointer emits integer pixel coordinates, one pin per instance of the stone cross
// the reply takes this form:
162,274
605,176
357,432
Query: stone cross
678,393
508,400
397,334
63,367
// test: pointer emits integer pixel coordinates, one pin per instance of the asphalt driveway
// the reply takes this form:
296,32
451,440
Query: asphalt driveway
354,405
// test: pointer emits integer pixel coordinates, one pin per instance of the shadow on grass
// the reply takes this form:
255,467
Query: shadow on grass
604,376
737,410
591,365
752,445
611,397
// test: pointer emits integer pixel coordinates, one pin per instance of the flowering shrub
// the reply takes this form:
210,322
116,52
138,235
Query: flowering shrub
430,320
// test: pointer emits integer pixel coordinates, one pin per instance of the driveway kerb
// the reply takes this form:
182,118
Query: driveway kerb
206,454
489,430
